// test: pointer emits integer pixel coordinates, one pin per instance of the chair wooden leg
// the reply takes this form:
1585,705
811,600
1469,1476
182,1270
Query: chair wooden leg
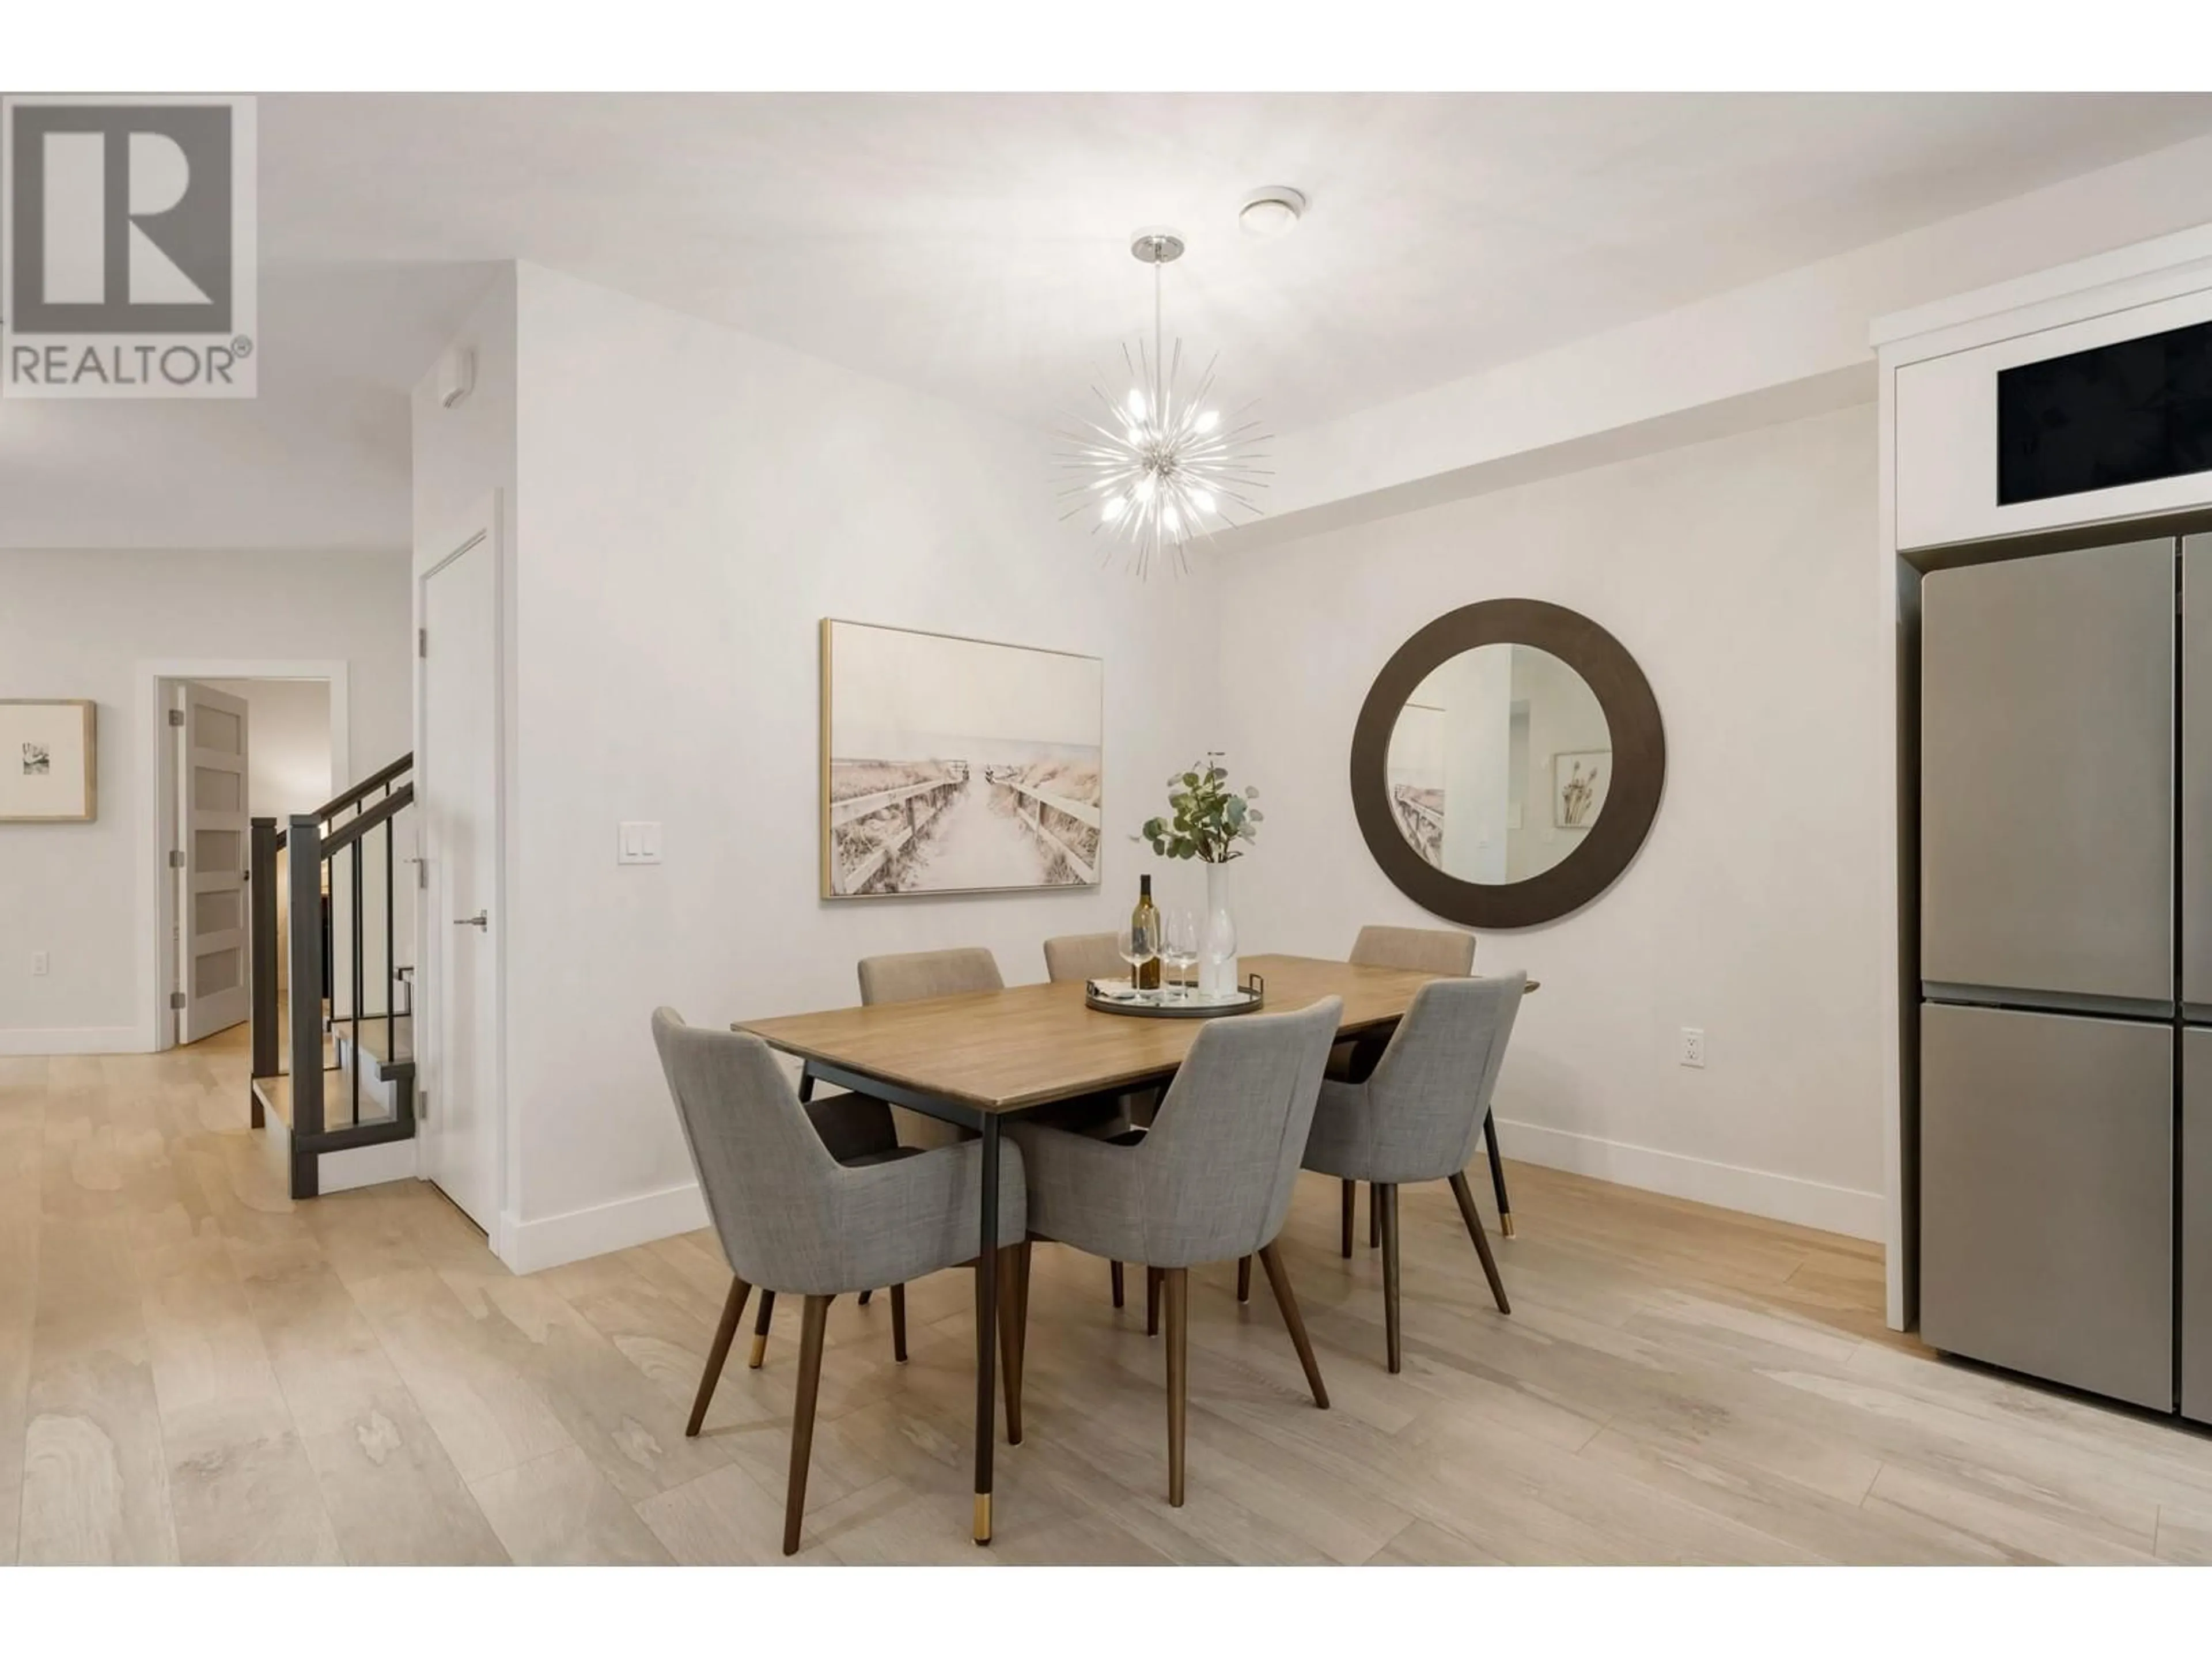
1178,1290
813,1322
1374,1216
1467,1213
733,1309
1350,1205
1013,1329
898,1324
1152,1302
760,1329
1117,1284
1243,1278
1387,1198
1497,1173
1279,1280
865,1295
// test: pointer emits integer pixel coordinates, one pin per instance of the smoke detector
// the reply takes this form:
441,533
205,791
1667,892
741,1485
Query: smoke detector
1273,212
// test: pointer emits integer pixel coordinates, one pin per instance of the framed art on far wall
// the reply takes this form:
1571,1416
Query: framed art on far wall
49,761
957,765
1578,785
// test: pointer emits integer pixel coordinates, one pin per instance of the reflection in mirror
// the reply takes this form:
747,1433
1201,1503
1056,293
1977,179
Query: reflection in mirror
1499,764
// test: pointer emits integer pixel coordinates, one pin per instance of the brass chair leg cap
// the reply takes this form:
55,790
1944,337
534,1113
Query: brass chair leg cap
760,1352
982,1517
1505,1224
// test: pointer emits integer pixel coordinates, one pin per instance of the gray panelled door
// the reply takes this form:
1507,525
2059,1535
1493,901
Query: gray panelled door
2049,1140
2047,786
211,899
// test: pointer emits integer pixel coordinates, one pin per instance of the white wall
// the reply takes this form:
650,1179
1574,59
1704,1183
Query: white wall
80,625
689,502
1734,572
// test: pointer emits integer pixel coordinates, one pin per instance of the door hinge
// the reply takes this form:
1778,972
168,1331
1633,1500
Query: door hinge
176,859
422,642
176,717
176,1000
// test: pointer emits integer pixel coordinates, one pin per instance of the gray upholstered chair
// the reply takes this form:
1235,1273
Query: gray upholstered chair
1425,951
868,1128
1417,1115
1082,956
915,976
794,1219
1077,956
1211,1180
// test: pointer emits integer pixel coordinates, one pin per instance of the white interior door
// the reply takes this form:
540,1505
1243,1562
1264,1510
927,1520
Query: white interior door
212,920
459,771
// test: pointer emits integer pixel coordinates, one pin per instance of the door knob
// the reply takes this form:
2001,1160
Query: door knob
482,919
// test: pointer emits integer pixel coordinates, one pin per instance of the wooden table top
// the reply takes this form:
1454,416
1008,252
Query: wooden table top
1004,1051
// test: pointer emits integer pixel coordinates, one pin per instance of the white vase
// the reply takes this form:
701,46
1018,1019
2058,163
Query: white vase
1218,973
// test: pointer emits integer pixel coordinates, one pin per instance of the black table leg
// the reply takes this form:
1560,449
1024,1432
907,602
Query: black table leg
987,1323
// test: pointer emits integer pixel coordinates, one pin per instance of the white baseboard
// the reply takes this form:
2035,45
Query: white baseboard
75,1040
1731,1186
365,1166
553,1240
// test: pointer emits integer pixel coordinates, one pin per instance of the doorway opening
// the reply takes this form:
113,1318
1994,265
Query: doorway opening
233,744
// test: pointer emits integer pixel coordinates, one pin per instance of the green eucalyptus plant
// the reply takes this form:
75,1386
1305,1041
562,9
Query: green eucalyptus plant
1207,817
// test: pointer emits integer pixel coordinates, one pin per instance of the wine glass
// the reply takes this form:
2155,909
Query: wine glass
1179,946
1138,945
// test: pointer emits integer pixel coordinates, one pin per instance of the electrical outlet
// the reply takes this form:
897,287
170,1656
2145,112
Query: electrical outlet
1693,1051
41,964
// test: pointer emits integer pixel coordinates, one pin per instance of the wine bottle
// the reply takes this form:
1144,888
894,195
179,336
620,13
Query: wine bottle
1146,916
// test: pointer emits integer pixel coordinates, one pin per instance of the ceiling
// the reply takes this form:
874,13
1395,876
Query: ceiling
975,246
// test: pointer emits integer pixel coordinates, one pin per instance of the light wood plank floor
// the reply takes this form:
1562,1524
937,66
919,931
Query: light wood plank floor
191,1368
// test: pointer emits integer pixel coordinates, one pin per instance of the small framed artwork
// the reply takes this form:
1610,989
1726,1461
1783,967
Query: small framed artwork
49,761
1579,780
957,765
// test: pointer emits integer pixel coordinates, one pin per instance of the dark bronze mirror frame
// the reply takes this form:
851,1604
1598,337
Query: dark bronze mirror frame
1640,763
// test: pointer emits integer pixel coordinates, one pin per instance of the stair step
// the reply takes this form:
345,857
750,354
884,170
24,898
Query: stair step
388,1045
275,1094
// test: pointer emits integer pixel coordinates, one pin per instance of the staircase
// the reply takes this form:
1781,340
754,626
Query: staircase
334,1067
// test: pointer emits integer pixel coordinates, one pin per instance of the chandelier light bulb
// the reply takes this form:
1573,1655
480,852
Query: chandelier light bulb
1208,420
1168,518
1136,405
1113,509
1202,500
1144,486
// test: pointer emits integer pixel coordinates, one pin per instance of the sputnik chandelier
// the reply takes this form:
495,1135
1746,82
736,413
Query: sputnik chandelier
1157,469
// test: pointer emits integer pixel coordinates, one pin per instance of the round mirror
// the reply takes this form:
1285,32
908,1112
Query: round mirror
1498,764
1507,764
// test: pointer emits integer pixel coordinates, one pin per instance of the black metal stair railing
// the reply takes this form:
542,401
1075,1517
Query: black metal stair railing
326,853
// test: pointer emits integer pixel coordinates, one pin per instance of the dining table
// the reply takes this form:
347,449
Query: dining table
981,1059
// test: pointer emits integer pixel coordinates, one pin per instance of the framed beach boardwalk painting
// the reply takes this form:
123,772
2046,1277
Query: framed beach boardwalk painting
953,765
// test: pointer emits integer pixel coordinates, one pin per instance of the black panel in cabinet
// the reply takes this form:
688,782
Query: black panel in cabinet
2115,415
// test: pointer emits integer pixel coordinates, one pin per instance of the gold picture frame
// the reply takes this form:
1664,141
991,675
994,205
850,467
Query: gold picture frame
49,760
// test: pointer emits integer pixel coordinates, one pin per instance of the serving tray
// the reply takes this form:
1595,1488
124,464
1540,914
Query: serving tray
1113,997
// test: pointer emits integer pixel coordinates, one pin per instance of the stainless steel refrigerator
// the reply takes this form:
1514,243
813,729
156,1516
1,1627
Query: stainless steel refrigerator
2065,1079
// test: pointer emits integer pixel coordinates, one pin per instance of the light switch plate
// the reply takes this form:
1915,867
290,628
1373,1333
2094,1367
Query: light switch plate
637,843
